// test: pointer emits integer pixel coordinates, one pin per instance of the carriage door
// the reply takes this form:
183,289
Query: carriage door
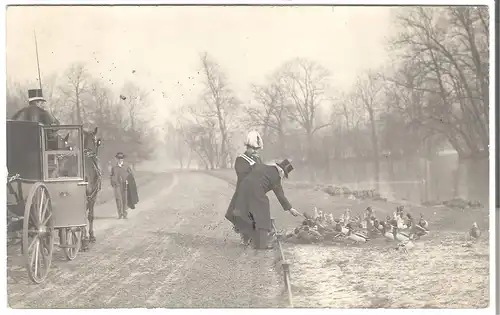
63,173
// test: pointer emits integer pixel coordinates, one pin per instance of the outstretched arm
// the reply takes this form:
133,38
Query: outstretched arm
280,194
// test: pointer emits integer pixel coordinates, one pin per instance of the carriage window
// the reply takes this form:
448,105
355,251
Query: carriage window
62,165
62,150
57,139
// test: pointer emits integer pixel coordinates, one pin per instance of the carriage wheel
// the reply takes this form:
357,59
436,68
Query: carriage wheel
71,242
38,233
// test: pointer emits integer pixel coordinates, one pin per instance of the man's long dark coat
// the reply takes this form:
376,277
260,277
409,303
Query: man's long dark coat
243,166
132,194
252,209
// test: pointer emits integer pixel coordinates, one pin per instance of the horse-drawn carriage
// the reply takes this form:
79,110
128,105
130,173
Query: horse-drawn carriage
46,191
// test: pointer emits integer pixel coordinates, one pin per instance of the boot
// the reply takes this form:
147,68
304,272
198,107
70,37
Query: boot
262,240
245,239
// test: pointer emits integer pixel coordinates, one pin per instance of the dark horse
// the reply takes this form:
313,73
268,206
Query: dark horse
93,176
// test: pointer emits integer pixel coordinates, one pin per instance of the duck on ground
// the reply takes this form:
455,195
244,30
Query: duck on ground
475,232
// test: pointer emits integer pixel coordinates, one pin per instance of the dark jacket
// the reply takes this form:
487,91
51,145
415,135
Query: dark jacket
35,113
252,204
243,166
119,175
132,194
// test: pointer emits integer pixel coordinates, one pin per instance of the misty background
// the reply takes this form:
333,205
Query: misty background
394,99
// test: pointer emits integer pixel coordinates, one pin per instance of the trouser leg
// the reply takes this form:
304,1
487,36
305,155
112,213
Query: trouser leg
119,206
261,239
244,229
124,207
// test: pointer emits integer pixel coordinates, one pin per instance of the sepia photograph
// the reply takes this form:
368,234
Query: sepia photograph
248,156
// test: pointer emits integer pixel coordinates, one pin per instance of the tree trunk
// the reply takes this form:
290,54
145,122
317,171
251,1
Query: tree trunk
376,155
282,147
189,159
77,103
392,173
310,157
460,184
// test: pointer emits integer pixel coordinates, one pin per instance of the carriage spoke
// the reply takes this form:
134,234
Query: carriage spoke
34,260
45,245
34,217
41,258
35,239
44,210
40,207
44,223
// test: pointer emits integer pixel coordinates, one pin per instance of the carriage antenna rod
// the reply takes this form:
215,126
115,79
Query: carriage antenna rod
37,61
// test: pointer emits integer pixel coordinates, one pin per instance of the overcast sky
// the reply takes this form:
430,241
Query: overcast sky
163,44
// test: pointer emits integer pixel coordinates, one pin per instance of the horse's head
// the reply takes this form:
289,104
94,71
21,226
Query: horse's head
90,140
63,143
57,142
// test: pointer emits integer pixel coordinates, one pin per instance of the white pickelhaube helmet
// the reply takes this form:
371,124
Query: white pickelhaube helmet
254,140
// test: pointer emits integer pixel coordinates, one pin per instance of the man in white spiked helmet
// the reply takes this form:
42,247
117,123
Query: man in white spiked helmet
243,166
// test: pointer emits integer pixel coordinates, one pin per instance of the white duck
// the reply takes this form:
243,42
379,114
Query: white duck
475,232
356,236
339,227
400,236
316,214
387,231
332,219
347,215
423,223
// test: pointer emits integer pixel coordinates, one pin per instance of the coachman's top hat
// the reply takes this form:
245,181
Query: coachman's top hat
120,155
35,95
286,166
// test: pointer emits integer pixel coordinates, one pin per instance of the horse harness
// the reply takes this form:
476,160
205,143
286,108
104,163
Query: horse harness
93,157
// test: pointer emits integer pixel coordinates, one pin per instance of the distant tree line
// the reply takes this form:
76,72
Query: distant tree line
433,94
75,97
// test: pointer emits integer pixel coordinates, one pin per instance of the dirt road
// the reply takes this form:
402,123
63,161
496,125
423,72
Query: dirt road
175,250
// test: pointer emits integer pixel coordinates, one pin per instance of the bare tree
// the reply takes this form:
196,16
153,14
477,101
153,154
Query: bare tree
17,97
201,139
445,52
218,110
76,85
305,83
369,91
452,69
135,100
176,145
270,114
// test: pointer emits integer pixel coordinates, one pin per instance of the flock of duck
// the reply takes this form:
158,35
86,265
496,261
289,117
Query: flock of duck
401,228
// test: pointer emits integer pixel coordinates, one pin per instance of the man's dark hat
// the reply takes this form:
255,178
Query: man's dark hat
120,155
35,95
286,166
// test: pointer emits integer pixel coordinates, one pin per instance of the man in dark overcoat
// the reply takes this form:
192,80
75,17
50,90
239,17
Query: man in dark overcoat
118,177
34,111
243,166
252,210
